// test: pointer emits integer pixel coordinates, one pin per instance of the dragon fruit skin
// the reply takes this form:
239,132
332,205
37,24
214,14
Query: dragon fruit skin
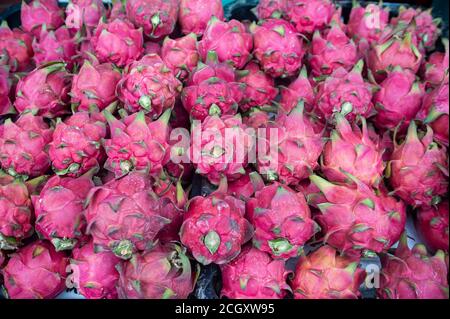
44,91
282,221
230,40
194,15
413,274
244,187
117,42
432,224
95,271
254,275
308,16
357,219
6,106
256,119
268,9
352,150
277,47
23,146
367,23
181,55
435,70
418,169
39,13
299,89
157,17
326,275
36,271
398,99
86,13
165,272
148,85
16,48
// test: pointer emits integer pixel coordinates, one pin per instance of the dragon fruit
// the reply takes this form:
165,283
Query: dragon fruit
152,48
137,144
194,15
15,48
435,70
180,55
230,40
36,271
39,13
346,93
418,169
268,9
44,91
244,187
331,51
277,47
398,99
157,17
351,150
259,87
118,42
165,272
254,275
282,221
325,275
299,89
355,220
86,13
309,15
413,274
297,148
6,106
23,146
256,118
214,228
148,85
94,272
117,11
432,224
59,210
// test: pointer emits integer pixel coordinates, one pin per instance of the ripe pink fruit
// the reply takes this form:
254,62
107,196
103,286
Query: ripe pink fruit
36,271
398,99
413,274
254,275
244,187
157,17
256,118
418,169
152,48
299,89
432,224
44,91
352,150
194,15
6,106
15,48
367,23
268,9
310,15
164,272
325,275
277,47
118,42
282,221
180,55
117,11
94,271
86,13
23,146
354,220
230,40
148,85
39,13
435,70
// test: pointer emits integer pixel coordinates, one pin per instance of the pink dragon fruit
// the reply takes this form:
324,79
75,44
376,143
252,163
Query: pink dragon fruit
157,17
86,13
254,275
351,150
36,271
332,51
94,272
15,48
6,106
244,187
325,275
355,220
117,11
277,47
310,15
44,91
230,40
282,221
148,85
346,93
398,99
194,15
435,70
118,42
214,228
413,274
59,210
153,48
165,272
39,13
23,146
180,55
418,169
299,89
268,9
432,224
256,118
259,87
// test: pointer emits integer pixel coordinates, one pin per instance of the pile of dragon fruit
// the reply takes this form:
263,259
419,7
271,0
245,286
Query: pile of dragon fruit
92,199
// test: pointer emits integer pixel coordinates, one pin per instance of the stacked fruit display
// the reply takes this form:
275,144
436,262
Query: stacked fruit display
339,134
